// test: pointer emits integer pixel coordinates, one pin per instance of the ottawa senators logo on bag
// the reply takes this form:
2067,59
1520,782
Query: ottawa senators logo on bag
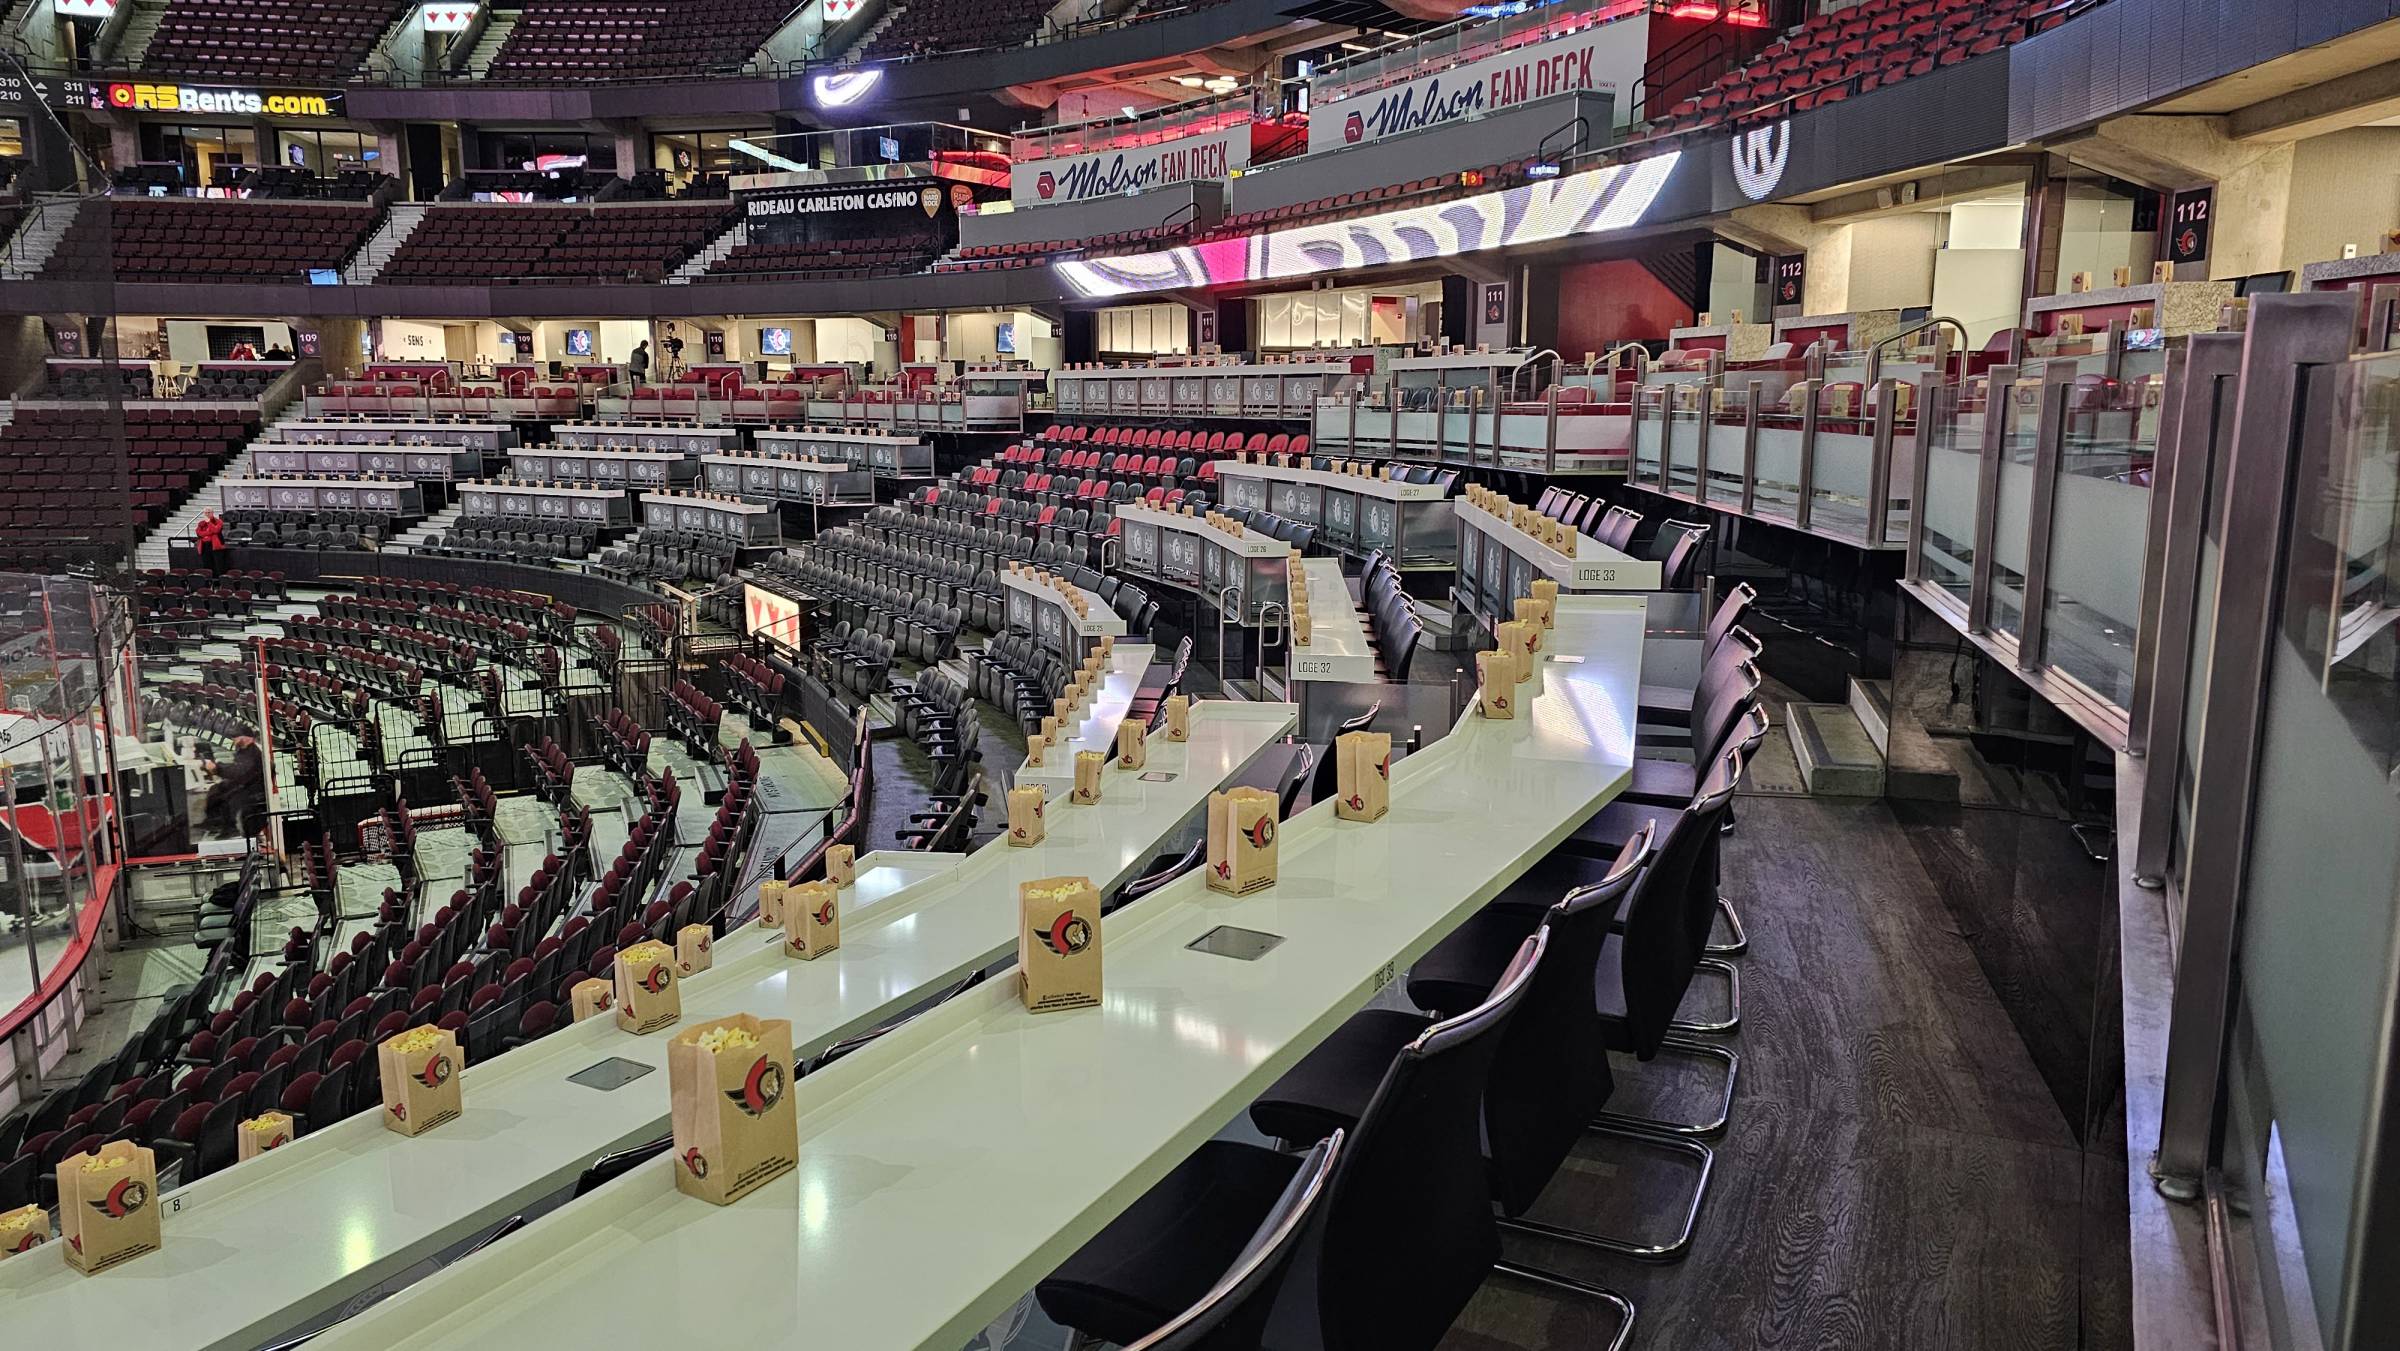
696,1161
129,1195
33,1241
1067,935
761,1088
825,913
657,979
277,1143
436,1072
1261,832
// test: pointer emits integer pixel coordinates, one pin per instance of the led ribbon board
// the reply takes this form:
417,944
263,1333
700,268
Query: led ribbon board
1598,202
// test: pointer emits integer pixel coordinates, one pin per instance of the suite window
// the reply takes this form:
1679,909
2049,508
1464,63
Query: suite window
206,154
327,153
1144,330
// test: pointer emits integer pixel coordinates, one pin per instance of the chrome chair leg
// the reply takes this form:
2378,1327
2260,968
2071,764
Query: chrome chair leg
1599,1294
1732,1021
1674,1249
1740,942
1705,1130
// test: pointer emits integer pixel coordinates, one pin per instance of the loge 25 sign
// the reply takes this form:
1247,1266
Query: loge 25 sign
1110,173
1490,85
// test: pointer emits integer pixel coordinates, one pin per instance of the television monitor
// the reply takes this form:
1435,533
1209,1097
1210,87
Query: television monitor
2263,284
1004,339
579,342
775,342
324,276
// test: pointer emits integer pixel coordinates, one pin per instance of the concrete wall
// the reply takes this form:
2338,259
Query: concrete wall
1203,201
1435,151
2348,185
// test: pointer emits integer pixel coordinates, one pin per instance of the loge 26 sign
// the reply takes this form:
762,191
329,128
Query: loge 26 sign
1490,85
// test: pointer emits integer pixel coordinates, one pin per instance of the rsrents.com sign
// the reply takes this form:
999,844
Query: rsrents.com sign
1573,64
187,98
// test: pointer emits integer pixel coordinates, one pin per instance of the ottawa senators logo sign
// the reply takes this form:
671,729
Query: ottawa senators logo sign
761,1088
1067,935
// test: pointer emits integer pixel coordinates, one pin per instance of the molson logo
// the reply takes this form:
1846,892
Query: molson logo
1425,106
184,98
1113,175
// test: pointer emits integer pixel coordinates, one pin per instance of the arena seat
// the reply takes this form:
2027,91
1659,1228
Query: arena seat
62,473
501,244
611,39
875,256
194,240
253,41
934,27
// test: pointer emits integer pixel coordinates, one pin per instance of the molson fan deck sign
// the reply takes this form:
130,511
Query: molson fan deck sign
268,1130
1241,840
1058,944
23,1230
736,1128
648,995
420,1079
1362,775
108,1206
812,920
1025,827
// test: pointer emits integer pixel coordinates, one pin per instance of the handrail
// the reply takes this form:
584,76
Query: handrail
1655,71
1874,352
1580,125
1641,358
70,961
1529,363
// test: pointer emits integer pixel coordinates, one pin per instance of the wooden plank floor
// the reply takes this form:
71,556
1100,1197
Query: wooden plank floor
1900,1172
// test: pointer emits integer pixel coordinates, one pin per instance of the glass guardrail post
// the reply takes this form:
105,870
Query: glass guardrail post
1879,461
1999,409
2050,434
1750,401
1805,495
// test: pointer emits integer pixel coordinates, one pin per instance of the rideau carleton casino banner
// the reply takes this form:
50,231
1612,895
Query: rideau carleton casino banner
1490,85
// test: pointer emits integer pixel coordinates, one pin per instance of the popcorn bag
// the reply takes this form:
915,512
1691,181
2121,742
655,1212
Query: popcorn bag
1179,717
1133,744
736,1128
1545,590
841,864
1496,677
1049,729
648,995
1025,816
812,920
1534,611
1034,746
268,1130
695,949
591,998
1518,644
23,1230
770,903
106,1206
1058,944
1088,765
1362,775
1241,840
1063,710
420,1079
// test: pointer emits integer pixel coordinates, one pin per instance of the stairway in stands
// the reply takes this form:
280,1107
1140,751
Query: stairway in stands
427,530
133,40
707,258
152,551
35,240
400,221
497,25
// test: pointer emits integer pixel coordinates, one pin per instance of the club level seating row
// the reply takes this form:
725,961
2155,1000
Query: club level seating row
857,576
840,257
694,718
83,383
989,257
167,239
554,243
252,41
670,556
1858,49
62,475
517,538
930,27
611,39
552,619
315,529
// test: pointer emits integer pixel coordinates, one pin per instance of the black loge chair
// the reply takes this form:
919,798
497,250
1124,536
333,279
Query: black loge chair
1644,970
1551,1077
1409,1235
1232,1316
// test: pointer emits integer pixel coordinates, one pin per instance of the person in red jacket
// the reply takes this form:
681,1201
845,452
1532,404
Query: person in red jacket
209,534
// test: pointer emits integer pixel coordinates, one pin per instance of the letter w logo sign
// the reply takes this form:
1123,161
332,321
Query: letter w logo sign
1758,159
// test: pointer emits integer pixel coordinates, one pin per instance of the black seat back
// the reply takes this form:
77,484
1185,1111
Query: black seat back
1232,1316
1668,916
1551,1076
1409,1234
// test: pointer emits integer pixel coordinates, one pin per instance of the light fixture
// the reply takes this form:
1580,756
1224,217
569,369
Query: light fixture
769,157
1190,81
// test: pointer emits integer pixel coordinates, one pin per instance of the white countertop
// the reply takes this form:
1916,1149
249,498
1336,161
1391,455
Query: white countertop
1366,485
786,462
1101,619
1251,543
1594,566
947,1168
1095,728
1337,648
259,1246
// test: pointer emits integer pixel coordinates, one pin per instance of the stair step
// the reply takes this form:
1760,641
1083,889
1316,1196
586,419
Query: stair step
1837,758
1871,700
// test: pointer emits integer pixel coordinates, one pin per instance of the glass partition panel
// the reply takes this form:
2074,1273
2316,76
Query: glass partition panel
1777,491
2100,516
1688,423
2306,1071
1726,433
1649,432
2020,412
1953,464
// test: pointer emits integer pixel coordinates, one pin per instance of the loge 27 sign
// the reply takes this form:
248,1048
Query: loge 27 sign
1108,173
1491,85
